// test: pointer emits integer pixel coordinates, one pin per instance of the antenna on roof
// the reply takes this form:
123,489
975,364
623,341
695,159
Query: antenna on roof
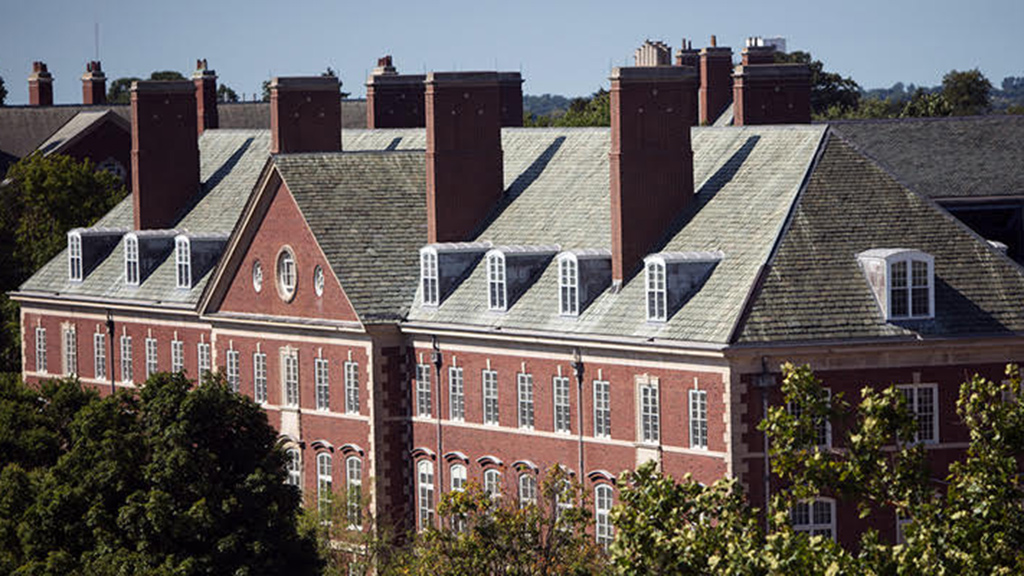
96,39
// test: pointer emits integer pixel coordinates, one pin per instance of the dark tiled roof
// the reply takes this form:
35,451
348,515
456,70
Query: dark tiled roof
815,289
367,211
252,115
945,158
79,126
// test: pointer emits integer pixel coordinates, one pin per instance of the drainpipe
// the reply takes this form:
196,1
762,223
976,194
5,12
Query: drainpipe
437,359
578,369
765,382
110,336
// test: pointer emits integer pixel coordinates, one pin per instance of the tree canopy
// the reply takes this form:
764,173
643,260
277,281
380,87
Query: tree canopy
3,92
226,94
120,90
829,90
593,110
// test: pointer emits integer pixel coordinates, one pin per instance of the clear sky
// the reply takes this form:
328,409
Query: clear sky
562,47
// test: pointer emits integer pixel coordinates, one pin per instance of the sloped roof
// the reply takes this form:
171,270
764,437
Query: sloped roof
254,115
79,126
230,163
815,289
946,158
24,128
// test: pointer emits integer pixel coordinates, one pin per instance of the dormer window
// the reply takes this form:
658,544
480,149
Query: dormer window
496,281
74,257
657,296
183,262
568,286
428,277
902,281
131,260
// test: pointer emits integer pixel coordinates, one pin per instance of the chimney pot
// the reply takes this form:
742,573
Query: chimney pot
40,85
94,84
205,81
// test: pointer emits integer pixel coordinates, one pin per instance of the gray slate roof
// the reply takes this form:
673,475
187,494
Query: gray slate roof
78,127
815,289
946,158
230,163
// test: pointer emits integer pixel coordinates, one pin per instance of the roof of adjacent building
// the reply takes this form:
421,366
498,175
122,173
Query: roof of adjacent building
78,127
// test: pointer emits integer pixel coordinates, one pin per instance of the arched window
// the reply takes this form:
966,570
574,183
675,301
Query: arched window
458,474
604,532
183,262
492,483
293,461
496,282
428,277
131,260
354,487
568,286
527,490
74,257
324,481
425,481
654,280
286,275
318,280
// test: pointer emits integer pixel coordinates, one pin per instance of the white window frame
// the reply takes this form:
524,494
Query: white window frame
424,392
649,411
286,274
425,493
290,377
324,484
524,392
604,532
151,357
203,358
527,489
497,292
126,358
812,526
183,262
458,477
41,350
322,383
257,276
456,394
293,464
914,394
318,280
492,410
492,483
910,261
177,356
70,345
698,417
99,355
234,375
655,287
602,409
568,286
351,387
131,259
822,428
429,277
75,264
259,377
353,490
562,411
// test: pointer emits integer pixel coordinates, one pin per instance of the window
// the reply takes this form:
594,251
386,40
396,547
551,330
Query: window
492,483
99,355
203,352
910,288
74,257
602,409
568,287
40,349
318,280
323,384
603,530
922,400
496,281
456,394
290,366
698,419
70,351
901,527
561,390
822,427
234,377
293,461
257,276
424,402
458,474
126,358
815,517
183,262
650,413
525,387
131,260
352,387
527,490
428,277
151,364
286,274
259,377
177,356
657,301
425,481
563,498
354,489
324,480
490,386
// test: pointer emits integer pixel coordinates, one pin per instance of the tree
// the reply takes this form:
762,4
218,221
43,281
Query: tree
164,75
265,91
593,110
226,94
3,91
120,90
967,93
829,90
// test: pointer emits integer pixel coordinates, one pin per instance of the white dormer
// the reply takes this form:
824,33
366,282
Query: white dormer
496,289
511,270
443,266
671,278
582,276
428,276
87,247
131,259
183,262
568,285
74,256
902,281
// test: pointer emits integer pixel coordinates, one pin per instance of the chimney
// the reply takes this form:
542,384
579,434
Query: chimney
305,114
394,100
40,86
687,55
94,85
772,94
715,81
511,94
756,52
464,158
651,159
206,97
165,151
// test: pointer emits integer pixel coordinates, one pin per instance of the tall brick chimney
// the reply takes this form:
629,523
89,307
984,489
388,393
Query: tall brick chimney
772,94
394,100
94,85
40,86
687,55
464,157
305,114
165,151
651,158
715,81
206,97
511,94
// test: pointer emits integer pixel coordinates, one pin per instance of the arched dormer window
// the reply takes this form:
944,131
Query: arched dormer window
604,532
183,262
74,257
657,295
568,286
496,290
131,260
902,280
428,277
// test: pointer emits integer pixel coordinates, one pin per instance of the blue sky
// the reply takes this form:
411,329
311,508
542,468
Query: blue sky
561,47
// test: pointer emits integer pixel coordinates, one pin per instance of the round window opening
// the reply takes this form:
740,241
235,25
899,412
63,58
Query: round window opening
257,276
286,276
318,280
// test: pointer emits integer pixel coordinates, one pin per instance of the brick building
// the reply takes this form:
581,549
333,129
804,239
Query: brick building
419,307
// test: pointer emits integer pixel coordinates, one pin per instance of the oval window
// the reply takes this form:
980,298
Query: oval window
318,280
257,276
286,276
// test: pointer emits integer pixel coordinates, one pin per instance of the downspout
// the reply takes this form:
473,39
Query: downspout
578,368
437,360
110,336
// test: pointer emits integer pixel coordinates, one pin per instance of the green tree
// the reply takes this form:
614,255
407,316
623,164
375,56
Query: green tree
265,91
3,92
829,90
593,110
226,94
967,93
120,91
165,75
925,104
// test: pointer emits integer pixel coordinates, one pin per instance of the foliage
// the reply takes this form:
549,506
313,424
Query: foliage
593,110
828,89
265,91
545,104
169,479
967,93
3,92
226,94
120,90
165,75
